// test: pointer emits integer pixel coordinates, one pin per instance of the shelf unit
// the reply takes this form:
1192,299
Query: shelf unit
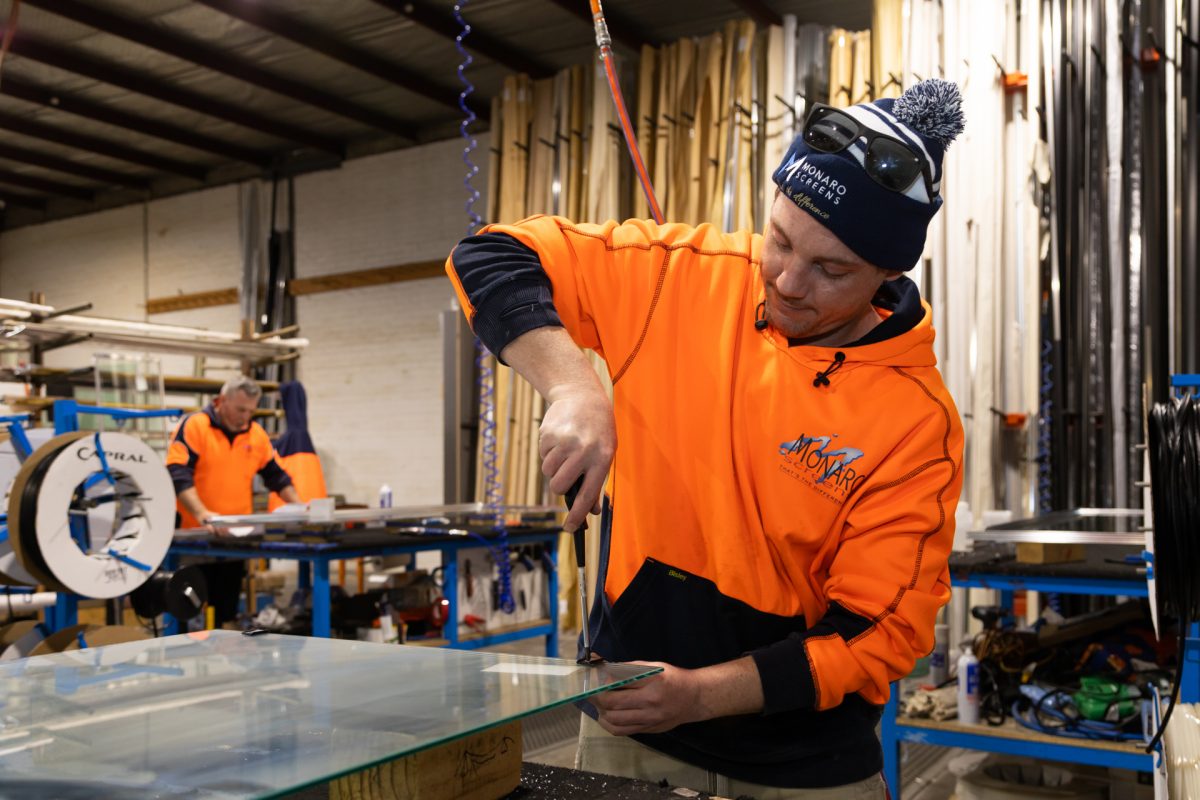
1011,739
1014,740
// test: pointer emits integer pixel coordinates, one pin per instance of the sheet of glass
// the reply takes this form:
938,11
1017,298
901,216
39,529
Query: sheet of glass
1081,525
438,520
459,512
223,715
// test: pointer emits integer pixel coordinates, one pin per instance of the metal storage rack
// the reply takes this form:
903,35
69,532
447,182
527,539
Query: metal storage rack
1014,740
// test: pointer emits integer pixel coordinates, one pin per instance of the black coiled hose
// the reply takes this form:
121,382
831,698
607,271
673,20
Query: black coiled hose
1173,432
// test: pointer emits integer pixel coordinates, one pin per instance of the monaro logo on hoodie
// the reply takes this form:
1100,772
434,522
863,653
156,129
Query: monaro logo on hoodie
824,463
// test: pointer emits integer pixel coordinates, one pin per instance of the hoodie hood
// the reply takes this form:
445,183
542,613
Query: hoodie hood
903,339
295,409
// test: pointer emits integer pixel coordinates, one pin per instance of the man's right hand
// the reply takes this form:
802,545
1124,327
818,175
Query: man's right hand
204,519
579,433
189,498
578,437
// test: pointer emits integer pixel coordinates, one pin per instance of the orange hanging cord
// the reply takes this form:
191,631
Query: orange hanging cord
10,29
604,42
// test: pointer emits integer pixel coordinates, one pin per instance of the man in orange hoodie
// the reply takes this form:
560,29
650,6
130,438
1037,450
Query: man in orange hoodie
213,457
782,458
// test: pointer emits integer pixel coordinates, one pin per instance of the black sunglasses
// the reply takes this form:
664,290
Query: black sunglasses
889,162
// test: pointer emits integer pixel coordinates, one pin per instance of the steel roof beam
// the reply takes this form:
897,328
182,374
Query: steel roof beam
8,198
44,185
262,16
106,72
446,26
68,167
15,87
80,141
214,58
759,11
620,30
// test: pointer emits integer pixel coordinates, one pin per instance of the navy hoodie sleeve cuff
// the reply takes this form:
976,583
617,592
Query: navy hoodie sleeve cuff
786,674
502,318
505,283
275,477
182,477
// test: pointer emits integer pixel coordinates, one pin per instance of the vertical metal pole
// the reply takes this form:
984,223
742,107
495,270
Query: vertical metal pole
551,549
450,592
252,258
1189,683
891,746
66,416
1187,321
460,423
171,626
320,598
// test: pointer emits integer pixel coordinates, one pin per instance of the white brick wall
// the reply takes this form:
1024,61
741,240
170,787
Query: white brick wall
373,371
97,259
194,246
387,209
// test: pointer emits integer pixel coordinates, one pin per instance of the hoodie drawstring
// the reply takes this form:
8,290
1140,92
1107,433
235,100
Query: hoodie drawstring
822,378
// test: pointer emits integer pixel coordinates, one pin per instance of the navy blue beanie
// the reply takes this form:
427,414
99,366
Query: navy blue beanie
883,227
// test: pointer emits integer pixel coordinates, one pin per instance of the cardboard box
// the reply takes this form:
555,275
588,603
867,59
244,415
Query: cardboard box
1038,553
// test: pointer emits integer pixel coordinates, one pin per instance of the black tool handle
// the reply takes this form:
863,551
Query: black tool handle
572,493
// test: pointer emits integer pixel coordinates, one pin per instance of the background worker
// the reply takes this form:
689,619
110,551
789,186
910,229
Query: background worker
213,457
785,458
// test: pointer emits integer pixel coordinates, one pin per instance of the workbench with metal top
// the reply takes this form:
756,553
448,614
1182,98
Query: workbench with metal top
315,556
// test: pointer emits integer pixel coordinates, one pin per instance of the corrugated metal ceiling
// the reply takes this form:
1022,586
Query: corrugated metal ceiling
108,102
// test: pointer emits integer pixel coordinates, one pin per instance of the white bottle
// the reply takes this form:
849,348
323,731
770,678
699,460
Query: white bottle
939,659
386,625
385,496
968,687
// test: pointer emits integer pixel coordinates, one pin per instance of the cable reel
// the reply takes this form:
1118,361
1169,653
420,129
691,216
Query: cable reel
92,513
181,593
12,571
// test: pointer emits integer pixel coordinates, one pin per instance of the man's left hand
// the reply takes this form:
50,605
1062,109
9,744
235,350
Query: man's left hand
677,696
651,705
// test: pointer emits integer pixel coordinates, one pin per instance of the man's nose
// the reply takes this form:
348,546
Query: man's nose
792,284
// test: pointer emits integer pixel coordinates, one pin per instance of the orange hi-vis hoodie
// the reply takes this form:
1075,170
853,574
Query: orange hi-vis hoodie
221,464
795,503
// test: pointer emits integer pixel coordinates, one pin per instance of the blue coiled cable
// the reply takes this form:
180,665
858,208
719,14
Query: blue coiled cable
493,491
1045,496
473,219
1045,411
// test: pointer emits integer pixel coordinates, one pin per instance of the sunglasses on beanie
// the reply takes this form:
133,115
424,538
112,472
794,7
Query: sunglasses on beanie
889,161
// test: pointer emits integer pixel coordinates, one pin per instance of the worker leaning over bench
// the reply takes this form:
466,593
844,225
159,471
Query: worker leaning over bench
213,458
786,460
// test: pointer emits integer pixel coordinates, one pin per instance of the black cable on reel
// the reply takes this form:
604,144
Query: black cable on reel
1174,443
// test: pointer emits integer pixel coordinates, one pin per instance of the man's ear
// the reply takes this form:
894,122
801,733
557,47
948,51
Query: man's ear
891,274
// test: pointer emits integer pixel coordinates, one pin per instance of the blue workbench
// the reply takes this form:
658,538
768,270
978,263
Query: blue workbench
314,559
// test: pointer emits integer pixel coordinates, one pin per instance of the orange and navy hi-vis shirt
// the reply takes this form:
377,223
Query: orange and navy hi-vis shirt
221,464
795,503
